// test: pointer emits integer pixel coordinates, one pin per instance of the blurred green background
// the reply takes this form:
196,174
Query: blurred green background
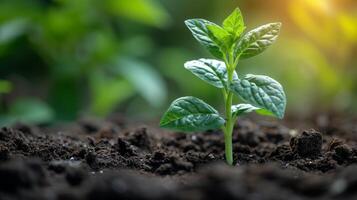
61,60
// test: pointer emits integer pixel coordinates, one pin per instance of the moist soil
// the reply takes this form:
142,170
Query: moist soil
110,159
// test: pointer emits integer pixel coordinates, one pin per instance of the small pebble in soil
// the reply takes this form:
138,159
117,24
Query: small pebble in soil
307,144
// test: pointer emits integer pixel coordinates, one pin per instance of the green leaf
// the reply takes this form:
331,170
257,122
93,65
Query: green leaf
265,112
257,40
191,114
243,108
211,71
221,37
30,110
105,93
200,32
5,86
262,92
12,29
234,23
144,78
148,12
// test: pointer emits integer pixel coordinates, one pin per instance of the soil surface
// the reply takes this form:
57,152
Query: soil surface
111,160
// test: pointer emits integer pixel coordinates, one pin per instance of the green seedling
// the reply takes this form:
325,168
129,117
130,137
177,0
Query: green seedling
228,44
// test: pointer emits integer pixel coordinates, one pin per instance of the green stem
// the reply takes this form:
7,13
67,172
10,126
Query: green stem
228,129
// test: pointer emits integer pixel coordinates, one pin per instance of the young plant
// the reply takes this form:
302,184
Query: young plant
227,43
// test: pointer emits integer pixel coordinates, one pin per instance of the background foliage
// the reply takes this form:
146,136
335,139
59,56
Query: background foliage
63,59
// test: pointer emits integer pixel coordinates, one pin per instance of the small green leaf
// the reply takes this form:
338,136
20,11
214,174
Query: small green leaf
211,71
262,92
191,114
243,108
257,40
234,23
221,37
199,30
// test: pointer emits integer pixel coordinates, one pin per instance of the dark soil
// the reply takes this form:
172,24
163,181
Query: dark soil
107,160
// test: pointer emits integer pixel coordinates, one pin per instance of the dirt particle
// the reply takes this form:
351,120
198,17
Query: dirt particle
89,126
342,153
307,144
140,138
124,147
26,129
251,138
334,143
91,159
282,152
4,153
57,167
182,164
4,133
164,169
21,145
106,132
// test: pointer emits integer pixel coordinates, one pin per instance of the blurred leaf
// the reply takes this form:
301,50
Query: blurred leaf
65,95
97,46
145,11
5,86
12,30
28,110
146,81
107,92
131,47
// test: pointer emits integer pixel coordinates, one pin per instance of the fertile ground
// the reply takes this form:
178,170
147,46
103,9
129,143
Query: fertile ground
113,160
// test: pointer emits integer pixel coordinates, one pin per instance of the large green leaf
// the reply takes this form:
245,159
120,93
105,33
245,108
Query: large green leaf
191,114
211,71
261,91
257,40
243,108
200,32
234,23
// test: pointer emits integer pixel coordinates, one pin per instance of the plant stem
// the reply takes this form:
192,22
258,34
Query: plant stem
228,129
